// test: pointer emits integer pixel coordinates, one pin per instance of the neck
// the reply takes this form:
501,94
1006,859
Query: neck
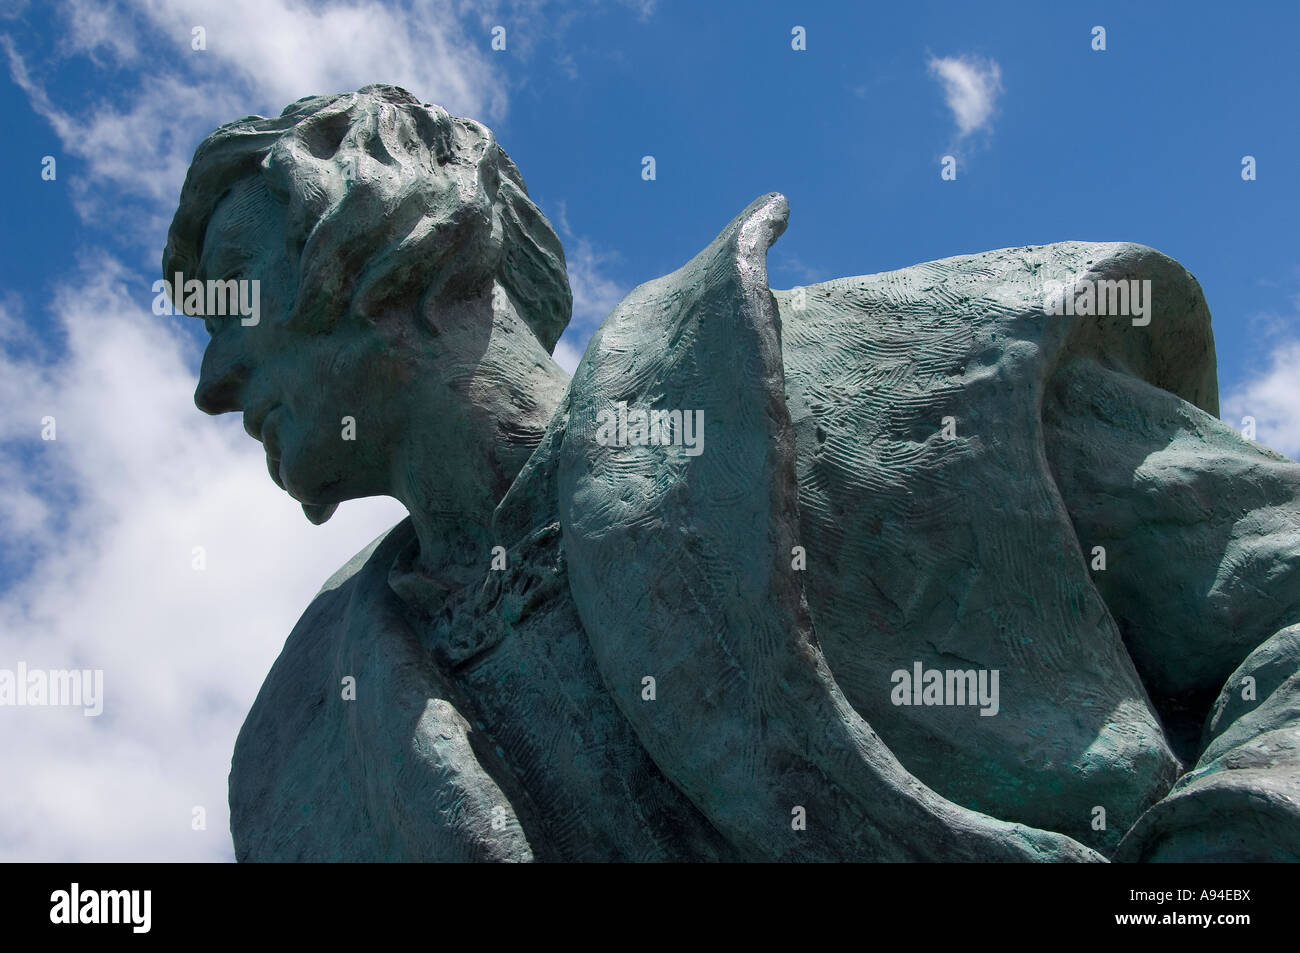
452,471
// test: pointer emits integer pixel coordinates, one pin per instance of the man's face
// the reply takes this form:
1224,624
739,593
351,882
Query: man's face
327,407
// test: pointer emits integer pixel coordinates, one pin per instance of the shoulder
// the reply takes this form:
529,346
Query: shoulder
354,748
289,741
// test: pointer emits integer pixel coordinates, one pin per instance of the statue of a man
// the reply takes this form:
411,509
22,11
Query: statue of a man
905,566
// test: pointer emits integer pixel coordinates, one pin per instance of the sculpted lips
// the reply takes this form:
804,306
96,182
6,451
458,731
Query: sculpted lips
254,420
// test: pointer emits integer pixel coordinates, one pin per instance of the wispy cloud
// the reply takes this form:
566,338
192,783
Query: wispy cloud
971,87
1272,398
259,56
1269,392
787,265
595,294
106,518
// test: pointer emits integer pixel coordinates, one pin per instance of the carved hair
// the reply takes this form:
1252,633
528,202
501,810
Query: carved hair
390,202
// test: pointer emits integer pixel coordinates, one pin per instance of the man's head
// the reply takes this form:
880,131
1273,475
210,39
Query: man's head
384,234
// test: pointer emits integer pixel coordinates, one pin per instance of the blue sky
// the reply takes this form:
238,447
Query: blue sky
1054,140
1141,142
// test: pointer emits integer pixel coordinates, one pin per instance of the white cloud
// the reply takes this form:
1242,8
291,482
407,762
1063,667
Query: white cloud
283,50
100,30
107,516
645,9
568,352
261,55
970,87
13,9
124,155
1272,397
595,294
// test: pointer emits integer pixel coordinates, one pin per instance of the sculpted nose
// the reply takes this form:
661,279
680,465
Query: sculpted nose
219,386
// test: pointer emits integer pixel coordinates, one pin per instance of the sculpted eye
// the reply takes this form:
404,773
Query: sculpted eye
214,320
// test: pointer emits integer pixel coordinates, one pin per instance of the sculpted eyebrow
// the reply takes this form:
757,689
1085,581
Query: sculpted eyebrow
236,212
220,259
